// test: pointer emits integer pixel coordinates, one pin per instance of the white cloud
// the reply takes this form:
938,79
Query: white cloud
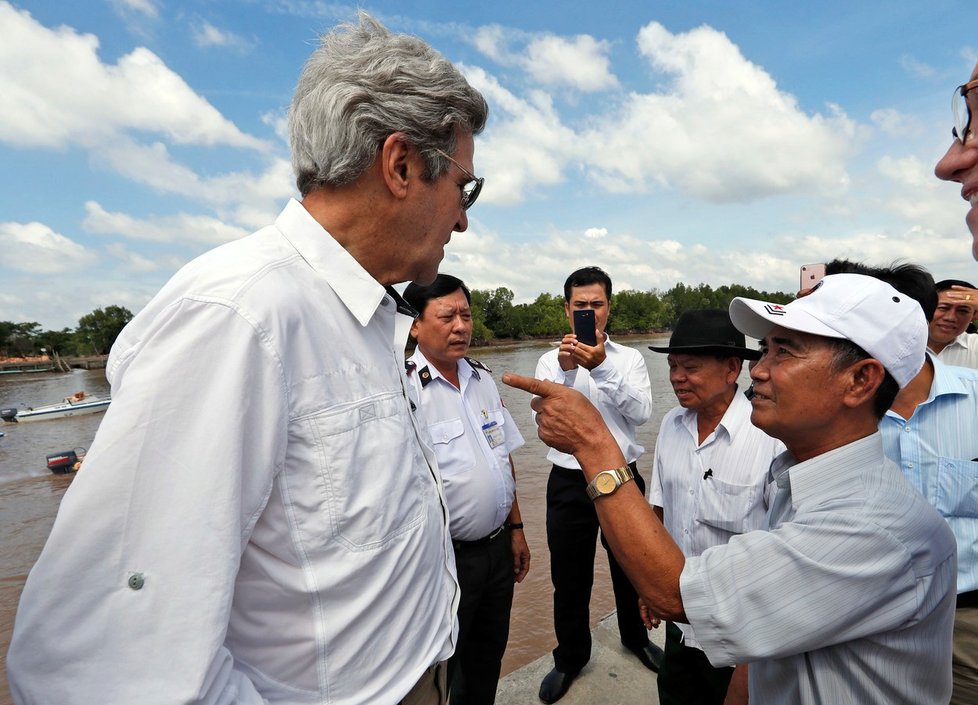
36,248
207,35
526,145
596,233
579,62
57,92
247,198
143,7
894,123
180,228
916,68
721,130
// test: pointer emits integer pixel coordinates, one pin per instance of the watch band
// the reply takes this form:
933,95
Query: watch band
608,481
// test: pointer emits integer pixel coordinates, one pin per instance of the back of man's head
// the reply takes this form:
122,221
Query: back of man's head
586,276
418,296
364,83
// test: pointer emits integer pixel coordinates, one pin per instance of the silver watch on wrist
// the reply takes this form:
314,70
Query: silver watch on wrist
608,482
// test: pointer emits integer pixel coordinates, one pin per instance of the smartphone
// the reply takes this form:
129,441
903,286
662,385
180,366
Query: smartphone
811,274
584,326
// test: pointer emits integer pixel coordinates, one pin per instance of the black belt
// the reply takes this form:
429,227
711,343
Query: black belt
485,540
967,599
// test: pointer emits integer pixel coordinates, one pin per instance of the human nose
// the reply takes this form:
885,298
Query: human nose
677,374
462,224
758,369
958,157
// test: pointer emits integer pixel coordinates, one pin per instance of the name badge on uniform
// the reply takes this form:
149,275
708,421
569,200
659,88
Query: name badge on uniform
494,434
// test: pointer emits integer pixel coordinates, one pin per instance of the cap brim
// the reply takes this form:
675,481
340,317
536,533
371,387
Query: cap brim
757,318
721,350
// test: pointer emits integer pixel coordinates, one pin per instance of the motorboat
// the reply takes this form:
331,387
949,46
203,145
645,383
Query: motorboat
77,404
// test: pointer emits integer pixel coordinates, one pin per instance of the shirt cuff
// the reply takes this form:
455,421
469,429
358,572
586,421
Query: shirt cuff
699,604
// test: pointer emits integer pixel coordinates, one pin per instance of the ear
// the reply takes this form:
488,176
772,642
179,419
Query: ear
396,164
415,325
734,365
864,378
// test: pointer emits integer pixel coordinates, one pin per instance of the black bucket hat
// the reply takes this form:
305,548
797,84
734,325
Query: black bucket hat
707,331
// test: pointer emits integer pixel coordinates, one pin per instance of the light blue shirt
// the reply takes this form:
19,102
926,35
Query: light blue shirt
937,449
847,598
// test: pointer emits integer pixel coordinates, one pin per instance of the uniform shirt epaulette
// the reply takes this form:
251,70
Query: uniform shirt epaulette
478,365
425,375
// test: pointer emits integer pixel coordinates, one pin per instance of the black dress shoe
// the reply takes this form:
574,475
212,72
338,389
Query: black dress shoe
650,655
555,685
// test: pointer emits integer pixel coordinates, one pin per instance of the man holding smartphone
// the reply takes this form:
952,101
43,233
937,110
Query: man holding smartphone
616,380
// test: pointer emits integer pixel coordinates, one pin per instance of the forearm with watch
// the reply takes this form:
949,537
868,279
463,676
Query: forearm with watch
641,543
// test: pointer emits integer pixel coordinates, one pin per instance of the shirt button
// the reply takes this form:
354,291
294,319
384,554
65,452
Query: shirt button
385,301
910,466
907,429
136,581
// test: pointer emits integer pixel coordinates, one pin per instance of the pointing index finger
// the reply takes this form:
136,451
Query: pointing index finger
527,384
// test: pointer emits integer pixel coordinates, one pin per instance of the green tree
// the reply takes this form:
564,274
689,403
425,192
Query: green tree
56,341
97,331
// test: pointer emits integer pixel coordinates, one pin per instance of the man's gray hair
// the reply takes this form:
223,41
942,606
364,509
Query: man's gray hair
364,83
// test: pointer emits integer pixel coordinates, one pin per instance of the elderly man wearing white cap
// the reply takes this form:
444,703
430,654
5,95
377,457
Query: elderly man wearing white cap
847,596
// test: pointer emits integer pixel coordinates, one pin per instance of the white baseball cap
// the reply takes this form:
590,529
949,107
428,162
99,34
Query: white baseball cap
888,325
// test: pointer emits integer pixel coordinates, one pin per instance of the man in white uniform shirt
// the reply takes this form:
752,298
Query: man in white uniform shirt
709,476
616,380
947,336
848,596
473,435
259,520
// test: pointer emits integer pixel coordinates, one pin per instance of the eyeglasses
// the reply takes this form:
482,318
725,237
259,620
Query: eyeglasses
962,111
471,188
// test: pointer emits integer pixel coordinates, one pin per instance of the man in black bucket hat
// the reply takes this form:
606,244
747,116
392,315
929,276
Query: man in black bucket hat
709,477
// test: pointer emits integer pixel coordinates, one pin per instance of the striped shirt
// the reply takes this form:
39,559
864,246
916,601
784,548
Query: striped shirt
962,351
937,449
714,490
847,598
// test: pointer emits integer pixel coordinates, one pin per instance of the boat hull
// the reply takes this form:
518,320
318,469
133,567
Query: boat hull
59,411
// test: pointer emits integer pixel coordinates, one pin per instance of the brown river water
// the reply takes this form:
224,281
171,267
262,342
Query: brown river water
30,494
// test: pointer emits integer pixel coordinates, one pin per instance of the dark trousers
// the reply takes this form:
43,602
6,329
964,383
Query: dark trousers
486,579
572,532
687,677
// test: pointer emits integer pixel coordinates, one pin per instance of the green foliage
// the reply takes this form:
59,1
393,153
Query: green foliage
495,316
97,330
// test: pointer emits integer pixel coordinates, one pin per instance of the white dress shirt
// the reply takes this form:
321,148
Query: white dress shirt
848,598
257,520
714,490
472,434
619,388
962,351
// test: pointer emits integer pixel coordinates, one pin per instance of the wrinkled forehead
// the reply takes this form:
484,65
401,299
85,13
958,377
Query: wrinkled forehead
449,303
944,300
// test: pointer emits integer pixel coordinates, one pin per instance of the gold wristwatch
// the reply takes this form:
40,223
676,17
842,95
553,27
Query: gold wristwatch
608,482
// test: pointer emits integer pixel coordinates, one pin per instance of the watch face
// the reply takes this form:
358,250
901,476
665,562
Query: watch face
605,483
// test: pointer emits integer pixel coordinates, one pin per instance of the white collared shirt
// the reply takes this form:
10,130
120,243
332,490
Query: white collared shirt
962,351
714,490
257,520
473,435
847,598
619,388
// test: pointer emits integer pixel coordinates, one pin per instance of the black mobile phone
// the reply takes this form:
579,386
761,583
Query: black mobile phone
584,326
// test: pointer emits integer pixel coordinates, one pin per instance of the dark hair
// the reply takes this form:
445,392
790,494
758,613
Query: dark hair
945,284
585,276
418,296
846,353
909,279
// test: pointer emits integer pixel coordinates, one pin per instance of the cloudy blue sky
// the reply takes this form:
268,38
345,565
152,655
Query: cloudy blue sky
708,141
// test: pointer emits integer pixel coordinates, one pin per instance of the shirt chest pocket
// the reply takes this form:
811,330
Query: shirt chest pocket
373,470
733,508
957,488
452,448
